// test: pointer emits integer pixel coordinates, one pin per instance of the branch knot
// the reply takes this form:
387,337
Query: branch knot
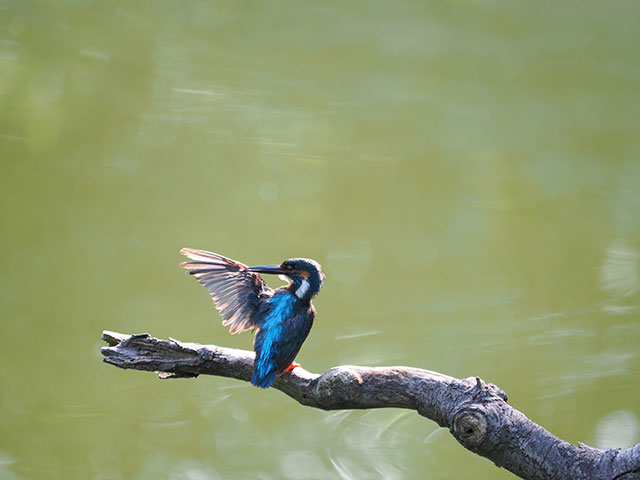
470,427
338,386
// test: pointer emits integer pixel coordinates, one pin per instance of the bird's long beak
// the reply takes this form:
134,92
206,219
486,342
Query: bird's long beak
272,269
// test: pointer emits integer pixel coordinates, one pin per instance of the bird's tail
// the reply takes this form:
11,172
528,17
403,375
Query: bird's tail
264,373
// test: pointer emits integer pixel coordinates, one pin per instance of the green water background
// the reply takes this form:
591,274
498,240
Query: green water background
467,173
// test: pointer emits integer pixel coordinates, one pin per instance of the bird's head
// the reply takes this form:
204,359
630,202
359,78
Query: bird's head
304,275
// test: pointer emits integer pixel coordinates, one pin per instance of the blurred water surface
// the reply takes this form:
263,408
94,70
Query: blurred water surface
467,173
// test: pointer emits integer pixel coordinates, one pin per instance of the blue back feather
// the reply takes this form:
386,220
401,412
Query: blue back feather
269,339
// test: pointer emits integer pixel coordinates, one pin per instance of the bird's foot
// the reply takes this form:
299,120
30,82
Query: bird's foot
291,367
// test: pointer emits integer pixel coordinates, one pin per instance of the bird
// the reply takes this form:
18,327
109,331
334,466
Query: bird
281,318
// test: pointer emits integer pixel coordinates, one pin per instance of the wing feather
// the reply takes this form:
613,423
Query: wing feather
237,293
290,345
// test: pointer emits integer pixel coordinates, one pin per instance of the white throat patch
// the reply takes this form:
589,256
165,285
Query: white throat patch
302,289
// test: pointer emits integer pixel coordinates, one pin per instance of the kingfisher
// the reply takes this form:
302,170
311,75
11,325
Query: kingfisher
281,319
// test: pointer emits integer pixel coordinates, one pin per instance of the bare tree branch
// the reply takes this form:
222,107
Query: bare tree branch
476,413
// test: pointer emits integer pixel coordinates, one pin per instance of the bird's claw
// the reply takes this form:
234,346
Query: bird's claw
291,367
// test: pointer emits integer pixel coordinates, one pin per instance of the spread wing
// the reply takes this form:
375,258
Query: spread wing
237,293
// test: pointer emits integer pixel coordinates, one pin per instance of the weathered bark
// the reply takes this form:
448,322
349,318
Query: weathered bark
477,414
